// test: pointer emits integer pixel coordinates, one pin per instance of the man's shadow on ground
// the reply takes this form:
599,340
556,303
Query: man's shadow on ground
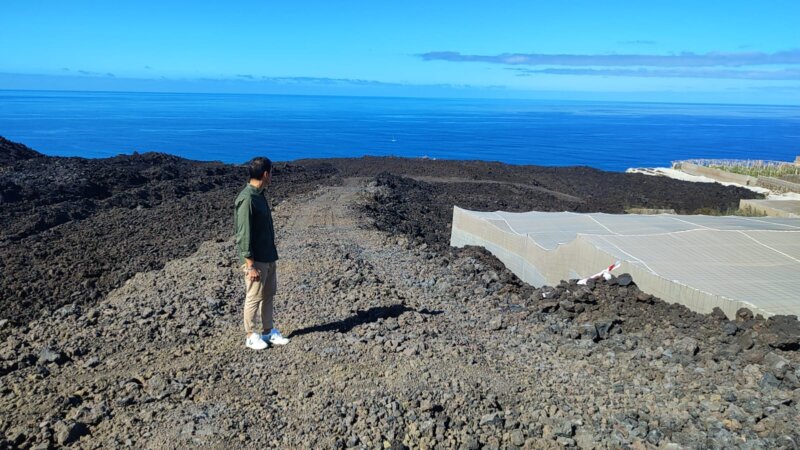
361,318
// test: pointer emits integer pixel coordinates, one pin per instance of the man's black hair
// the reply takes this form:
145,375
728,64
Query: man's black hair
257,166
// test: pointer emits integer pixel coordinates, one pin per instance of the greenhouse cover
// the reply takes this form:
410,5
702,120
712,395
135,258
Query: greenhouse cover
698,261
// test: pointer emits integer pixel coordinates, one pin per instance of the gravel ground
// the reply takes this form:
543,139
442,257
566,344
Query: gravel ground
394,345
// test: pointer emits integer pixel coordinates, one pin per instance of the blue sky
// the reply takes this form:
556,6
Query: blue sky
704,51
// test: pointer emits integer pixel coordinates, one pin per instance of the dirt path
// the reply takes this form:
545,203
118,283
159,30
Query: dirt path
540,189
329,208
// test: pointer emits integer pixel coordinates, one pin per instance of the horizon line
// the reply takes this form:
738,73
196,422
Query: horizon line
410,97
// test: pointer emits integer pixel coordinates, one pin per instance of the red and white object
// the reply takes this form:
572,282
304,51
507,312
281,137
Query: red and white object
605,273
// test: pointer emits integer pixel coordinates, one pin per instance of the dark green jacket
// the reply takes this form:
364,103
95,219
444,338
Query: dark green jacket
255,234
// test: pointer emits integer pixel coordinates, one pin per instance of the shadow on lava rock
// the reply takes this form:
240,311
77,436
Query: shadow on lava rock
361,318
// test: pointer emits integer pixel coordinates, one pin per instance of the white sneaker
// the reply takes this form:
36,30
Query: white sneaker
255,342
275,337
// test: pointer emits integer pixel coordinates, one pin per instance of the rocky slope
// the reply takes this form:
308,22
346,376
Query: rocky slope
11,152
73,229
394,345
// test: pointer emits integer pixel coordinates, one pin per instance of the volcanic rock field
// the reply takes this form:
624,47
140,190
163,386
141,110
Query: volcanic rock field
120,316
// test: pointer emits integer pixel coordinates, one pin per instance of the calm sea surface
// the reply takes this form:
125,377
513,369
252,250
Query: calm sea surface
233,128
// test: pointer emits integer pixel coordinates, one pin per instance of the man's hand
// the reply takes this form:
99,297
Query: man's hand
250,270
253,274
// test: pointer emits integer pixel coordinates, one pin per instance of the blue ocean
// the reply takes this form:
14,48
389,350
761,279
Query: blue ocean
232,128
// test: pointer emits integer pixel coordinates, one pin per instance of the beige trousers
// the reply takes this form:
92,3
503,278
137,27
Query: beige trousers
259,298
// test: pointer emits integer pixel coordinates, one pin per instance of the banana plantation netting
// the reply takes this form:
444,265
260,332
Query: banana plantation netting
698,261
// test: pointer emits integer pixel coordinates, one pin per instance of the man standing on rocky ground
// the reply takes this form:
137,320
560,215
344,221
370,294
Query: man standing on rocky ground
255,243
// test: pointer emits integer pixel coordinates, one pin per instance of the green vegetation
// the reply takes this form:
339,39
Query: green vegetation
744,212
762,171
753,168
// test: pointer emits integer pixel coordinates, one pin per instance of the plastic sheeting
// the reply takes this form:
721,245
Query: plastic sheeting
699,261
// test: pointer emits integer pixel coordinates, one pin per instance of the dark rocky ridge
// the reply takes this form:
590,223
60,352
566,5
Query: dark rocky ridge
580,189
11,152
